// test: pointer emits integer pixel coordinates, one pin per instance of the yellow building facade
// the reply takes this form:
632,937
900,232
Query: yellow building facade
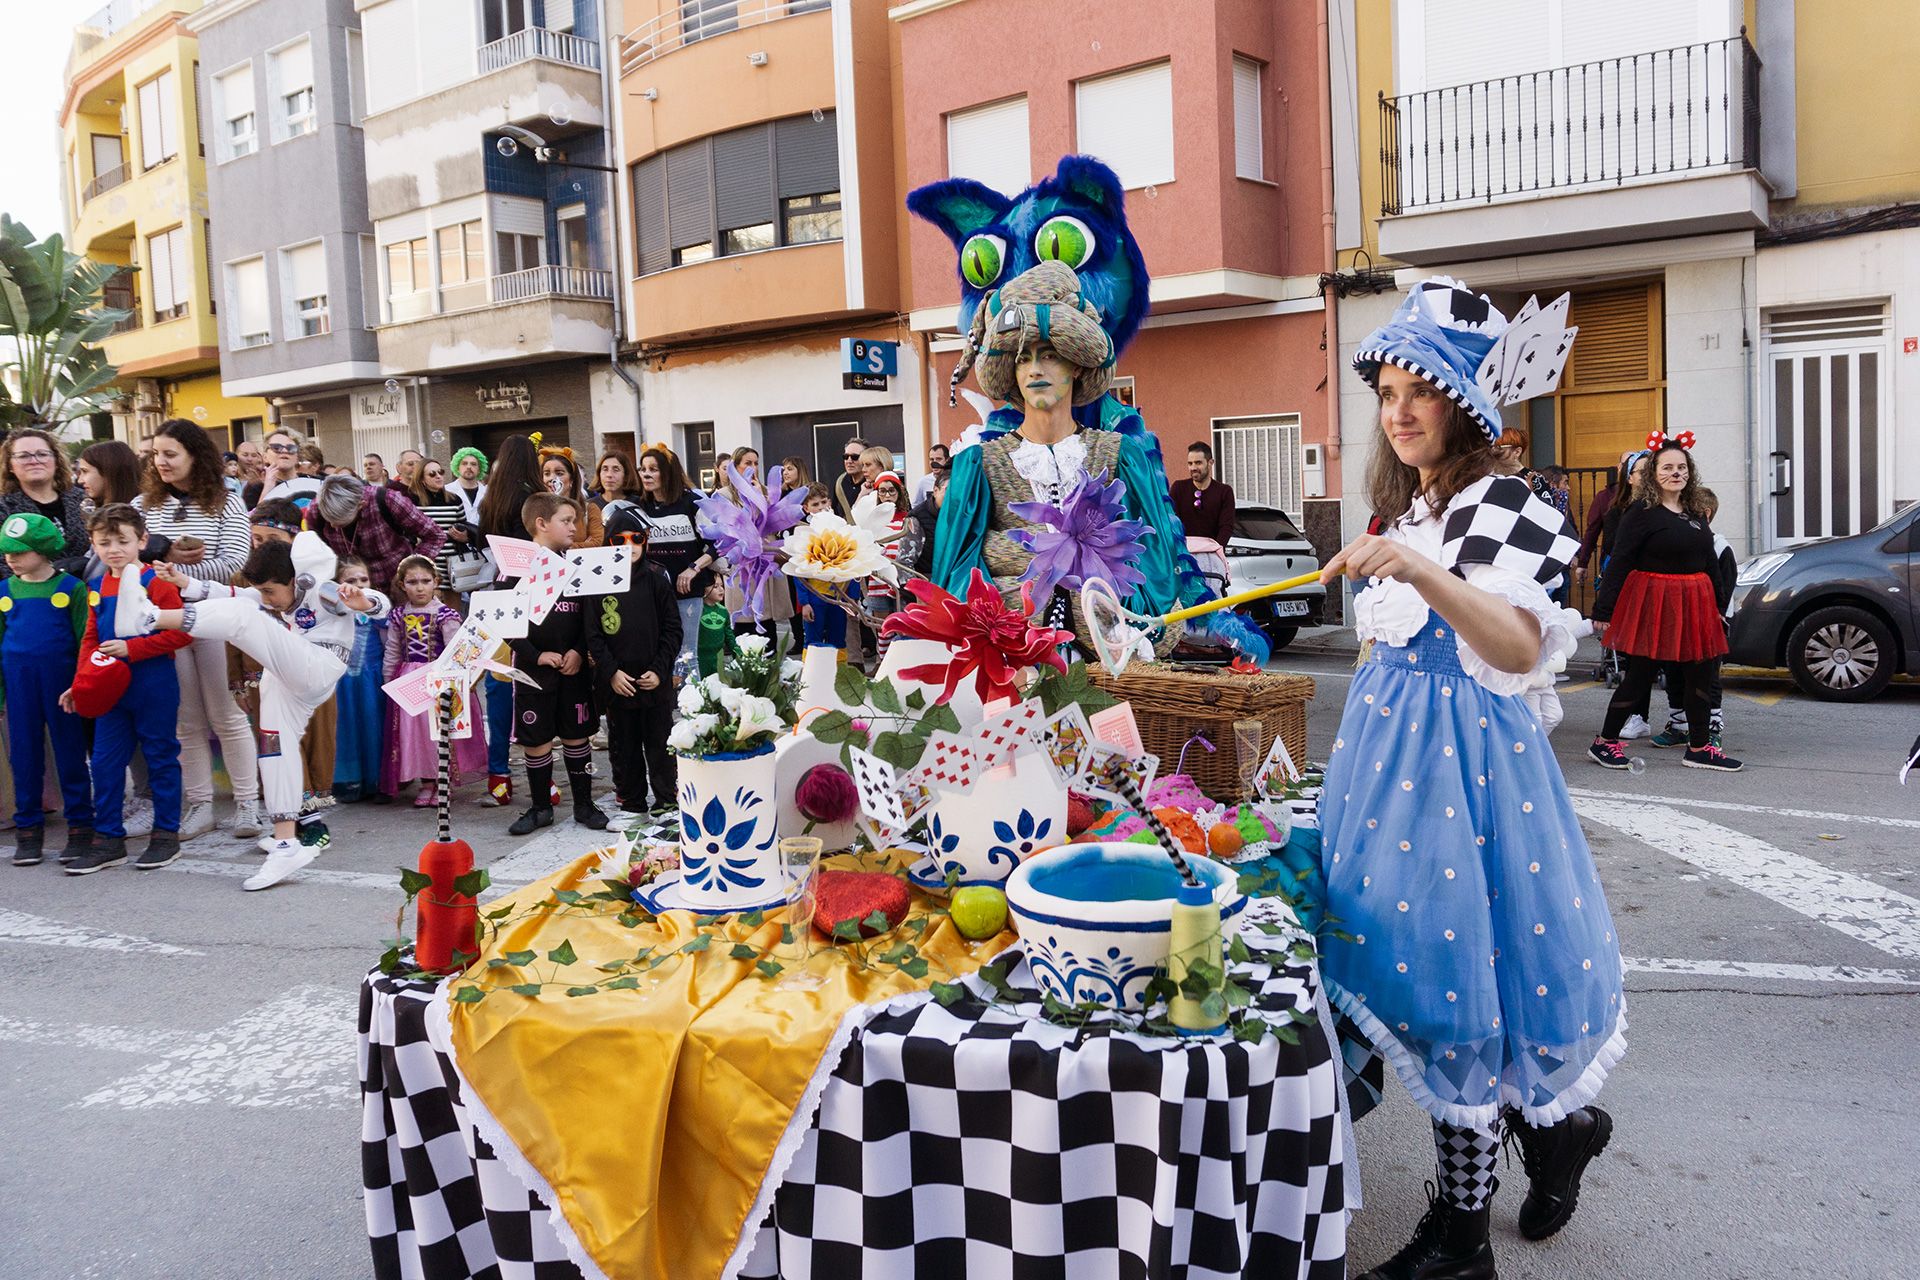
136,194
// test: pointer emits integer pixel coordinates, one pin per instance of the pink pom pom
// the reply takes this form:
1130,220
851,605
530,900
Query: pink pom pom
826,794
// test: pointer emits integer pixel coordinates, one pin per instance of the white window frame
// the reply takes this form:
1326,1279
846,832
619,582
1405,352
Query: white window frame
420,299
1141,151
1011,168
160,136
174,269
294,113
236,306
567,213
231,146
1249,82
308,309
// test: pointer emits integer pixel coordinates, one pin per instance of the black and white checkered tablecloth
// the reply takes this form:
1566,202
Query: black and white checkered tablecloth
977,1140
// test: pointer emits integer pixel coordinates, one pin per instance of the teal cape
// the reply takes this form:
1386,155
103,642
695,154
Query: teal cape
1172,578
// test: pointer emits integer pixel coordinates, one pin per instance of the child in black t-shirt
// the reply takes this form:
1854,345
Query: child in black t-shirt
554,653
634,637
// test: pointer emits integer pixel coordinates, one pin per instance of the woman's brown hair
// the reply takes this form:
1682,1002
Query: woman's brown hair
514,476
1693,498
1392,484
673,476
629,482
206,483
118,465
62,469
799,464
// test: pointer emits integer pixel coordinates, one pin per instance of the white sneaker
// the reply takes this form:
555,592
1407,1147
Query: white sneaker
136,816
132,615
248,820
284,857
1636,727
196,820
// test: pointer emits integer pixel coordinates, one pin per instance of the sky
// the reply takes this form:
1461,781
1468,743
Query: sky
33,57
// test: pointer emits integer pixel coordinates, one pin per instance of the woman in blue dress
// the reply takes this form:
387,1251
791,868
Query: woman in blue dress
1468,936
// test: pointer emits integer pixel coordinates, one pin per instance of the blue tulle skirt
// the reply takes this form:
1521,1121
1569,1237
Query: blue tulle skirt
1467,934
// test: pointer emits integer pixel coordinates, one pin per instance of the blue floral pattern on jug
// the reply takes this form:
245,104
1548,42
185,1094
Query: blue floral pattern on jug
1018,838
943,844
1110,979
717,830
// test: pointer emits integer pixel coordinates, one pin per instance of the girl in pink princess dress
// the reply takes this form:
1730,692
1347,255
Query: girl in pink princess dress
418,631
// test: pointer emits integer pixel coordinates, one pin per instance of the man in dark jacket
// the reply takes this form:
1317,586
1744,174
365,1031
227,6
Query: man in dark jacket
633,637
916,545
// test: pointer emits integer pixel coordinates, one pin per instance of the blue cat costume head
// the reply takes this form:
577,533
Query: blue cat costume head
1078,216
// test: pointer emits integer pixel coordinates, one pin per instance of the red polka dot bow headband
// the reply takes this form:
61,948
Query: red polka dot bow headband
1658,439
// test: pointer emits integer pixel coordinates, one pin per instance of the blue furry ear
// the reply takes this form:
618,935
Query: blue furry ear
958,206
1093,182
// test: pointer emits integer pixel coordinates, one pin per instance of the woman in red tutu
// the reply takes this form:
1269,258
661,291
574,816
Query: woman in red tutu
1658,602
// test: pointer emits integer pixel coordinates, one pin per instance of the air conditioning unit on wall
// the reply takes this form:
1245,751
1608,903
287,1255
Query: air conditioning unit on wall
146,396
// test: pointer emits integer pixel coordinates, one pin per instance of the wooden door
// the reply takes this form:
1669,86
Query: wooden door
1615,388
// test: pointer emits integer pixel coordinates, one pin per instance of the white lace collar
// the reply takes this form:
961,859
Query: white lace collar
1051,470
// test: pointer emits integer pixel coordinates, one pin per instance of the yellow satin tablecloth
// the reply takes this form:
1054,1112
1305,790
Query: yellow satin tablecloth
655,1113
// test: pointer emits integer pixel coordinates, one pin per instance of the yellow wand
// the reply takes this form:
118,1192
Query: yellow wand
1119,634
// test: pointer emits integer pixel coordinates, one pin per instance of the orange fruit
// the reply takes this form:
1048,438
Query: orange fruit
1225,840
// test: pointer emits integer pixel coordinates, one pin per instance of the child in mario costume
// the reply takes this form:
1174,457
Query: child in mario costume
43,614
147,713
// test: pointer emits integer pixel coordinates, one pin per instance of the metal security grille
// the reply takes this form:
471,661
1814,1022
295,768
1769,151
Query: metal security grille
1826,388
1260,459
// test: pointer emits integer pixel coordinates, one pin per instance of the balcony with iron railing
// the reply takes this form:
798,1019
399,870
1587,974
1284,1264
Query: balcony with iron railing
543,310
692,21
531,43
1618,129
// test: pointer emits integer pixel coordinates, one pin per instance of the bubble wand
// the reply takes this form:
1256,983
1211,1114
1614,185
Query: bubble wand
1119,633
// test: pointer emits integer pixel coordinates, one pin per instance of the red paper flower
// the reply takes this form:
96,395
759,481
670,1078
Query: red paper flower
990,642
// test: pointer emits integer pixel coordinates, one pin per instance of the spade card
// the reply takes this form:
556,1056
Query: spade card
879,786
511,555
597,571
504,615
1538,347
542,583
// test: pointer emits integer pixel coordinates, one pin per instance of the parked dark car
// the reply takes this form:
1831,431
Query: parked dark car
1839,614
1268,547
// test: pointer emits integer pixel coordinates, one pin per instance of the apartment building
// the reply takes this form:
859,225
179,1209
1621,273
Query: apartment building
758,152
1208,110
134,151
487,183
285,94
1625,153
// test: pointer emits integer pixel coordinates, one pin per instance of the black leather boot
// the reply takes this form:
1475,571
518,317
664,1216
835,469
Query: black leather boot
1554,1159
29,846
1449,1244
79,840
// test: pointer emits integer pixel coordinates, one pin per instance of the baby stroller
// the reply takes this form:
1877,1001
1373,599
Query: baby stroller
1204,648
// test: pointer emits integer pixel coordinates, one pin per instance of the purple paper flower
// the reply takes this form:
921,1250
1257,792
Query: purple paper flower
746,534
1087,535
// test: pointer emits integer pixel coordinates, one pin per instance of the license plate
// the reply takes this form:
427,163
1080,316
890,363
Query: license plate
1289,608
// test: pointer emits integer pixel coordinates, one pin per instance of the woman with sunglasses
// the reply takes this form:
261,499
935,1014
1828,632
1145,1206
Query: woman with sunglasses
431,493
185,499
36,477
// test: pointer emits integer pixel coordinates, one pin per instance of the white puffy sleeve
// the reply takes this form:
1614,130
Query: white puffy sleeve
1501,538
1560,630
1389,612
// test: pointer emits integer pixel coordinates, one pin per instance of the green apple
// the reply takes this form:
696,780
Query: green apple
978,911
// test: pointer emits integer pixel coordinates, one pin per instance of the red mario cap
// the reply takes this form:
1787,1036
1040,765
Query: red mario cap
98,684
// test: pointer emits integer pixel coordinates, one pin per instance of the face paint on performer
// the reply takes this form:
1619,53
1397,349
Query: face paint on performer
1413,413
1044,377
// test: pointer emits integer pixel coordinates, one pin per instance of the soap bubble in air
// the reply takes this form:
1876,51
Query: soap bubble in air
818,115
438,437
1096,46
1153,193
561,116
393,386
1636,766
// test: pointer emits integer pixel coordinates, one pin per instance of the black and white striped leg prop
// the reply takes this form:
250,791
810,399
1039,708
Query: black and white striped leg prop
1467,1159
446,762
1122,782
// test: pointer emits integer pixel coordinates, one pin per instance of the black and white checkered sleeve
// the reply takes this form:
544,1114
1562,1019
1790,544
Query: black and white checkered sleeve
1498,521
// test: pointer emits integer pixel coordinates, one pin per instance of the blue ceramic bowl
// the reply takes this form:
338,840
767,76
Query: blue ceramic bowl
1096,918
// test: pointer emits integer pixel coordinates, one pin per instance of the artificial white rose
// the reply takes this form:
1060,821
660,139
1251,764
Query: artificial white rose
693,699
789,671
751,646
757,716
730,699
713,685
704,724
682,736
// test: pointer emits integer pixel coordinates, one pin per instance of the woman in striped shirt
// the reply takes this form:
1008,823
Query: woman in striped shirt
444,508
185,499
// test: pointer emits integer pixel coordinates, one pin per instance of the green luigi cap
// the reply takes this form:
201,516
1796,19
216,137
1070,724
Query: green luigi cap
31,533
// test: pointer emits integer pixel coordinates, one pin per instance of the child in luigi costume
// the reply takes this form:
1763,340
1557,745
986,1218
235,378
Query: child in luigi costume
43,614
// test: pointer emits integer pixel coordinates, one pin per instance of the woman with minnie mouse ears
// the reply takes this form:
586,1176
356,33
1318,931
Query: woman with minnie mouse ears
1473,946
1661,601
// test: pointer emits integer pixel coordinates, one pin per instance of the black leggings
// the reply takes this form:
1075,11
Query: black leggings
1637,684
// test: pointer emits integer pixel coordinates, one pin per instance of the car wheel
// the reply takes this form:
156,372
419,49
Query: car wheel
1278,636
1841,654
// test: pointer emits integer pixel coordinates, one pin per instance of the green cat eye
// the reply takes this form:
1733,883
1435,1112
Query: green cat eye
1064,239
981,259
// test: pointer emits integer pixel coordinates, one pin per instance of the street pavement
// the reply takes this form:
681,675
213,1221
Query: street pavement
178,1055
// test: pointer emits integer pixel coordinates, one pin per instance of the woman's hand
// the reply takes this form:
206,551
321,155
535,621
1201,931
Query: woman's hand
171,575
1372,556
114,648
192,556
684,583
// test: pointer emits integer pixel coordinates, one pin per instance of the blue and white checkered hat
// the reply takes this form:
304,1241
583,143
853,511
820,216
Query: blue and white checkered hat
1441,331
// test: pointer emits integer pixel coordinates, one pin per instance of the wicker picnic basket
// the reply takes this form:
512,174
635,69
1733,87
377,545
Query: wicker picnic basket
1172,704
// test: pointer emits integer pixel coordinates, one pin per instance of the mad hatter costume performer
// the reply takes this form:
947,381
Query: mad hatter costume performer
1470,939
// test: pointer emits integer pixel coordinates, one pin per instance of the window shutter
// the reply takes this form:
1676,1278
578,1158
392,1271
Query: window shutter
689,195
1126,121
650,214
180,258
153,132
520,216
236,92
807,153
743,177
307,270
250,297
1249,142
1615,343
293,68
990,145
